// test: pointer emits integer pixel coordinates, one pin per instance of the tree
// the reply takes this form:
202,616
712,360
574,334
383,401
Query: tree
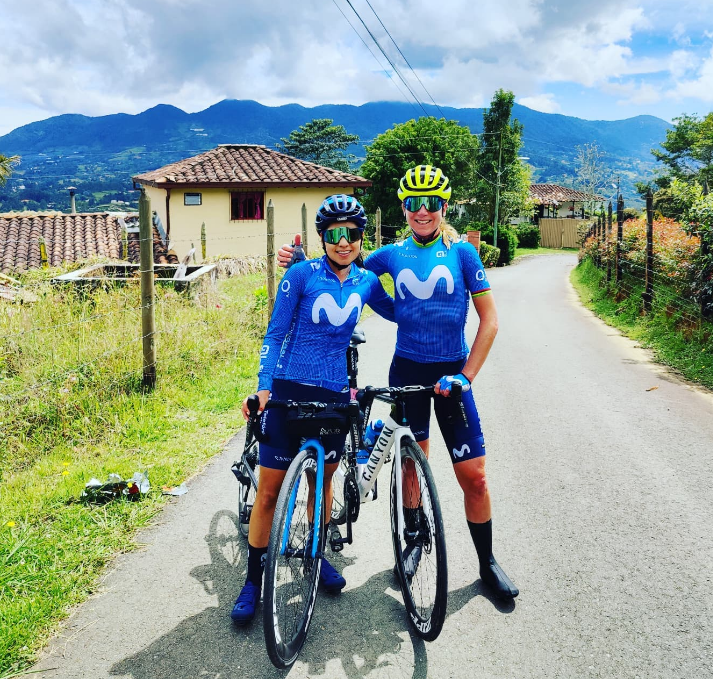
592,173
426,141
6,163
688,149
321,142
501,178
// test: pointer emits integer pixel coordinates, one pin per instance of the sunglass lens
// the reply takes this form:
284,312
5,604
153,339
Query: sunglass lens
333,236
431,203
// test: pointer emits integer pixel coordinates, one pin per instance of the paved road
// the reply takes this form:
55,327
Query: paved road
603,501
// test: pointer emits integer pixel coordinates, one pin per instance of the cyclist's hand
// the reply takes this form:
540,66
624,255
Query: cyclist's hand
263,397
443,386
284,255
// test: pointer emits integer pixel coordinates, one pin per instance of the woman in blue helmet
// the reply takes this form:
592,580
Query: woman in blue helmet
435,278
303,358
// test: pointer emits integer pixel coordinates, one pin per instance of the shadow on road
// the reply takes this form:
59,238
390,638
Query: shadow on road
363,630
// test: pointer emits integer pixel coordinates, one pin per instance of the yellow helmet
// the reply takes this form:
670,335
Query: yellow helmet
425,180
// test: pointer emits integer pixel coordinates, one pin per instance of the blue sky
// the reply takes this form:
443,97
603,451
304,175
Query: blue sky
609,59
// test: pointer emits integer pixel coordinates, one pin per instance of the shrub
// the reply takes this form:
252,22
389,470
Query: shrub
528,235
507,241
489,254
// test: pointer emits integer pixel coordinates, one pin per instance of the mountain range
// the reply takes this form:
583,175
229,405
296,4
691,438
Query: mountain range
99,154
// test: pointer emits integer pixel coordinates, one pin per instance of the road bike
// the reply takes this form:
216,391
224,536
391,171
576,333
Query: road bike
298,535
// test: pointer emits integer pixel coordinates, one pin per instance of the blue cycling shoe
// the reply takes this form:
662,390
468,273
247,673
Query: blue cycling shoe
245,605
330,579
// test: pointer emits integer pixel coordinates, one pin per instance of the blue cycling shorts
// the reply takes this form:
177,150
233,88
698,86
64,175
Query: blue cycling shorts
463,438
284,443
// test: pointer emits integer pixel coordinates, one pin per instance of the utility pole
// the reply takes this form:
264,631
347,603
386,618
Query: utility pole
497,192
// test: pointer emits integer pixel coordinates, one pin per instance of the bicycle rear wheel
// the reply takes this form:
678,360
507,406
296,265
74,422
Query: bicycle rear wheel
291,573
420,550
246,496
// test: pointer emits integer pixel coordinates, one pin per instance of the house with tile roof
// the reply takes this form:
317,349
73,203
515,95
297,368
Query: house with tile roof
73,237
556,202
229,188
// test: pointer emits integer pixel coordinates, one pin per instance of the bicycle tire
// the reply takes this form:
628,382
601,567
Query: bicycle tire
291,579
246,496
425,594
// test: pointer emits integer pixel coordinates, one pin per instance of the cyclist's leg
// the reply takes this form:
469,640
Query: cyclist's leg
467,450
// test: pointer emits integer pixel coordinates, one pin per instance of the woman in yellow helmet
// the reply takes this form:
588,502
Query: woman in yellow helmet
436,276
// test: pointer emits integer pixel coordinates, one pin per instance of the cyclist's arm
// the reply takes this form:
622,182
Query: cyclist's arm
288,298
487,329
380,301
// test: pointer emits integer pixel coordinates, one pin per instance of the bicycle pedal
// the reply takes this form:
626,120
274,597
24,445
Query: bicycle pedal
335,540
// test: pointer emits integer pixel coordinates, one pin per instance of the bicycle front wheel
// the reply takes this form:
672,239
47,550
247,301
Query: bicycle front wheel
420,548
291,572
246,498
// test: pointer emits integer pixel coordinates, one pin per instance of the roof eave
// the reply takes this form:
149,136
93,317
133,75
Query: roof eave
364,183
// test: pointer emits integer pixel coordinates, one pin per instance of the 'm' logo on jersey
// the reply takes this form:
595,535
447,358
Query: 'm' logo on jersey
424,289
335,314
465,450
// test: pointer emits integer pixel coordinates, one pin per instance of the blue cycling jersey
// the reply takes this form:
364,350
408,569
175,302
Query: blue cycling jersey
432,286
312,322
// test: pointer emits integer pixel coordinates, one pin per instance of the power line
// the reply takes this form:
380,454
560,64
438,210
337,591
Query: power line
386,56
406,99
405,59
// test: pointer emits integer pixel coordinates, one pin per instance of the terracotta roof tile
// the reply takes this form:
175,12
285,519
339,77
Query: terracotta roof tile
68,238
553,194
248,164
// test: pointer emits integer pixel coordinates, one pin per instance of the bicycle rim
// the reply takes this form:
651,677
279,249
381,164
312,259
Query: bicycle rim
420,554
291,578
246,497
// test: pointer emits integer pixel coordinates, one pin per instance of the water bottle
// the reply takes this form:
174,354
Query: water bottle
373,429
299,254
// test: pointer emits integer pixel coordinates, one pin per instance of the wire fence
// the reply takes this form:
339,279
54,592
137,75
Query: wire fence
668,267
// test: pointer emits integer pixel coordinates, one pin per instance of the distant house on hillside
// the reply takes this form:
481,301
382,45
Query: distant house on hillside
229,189
555,202
72,237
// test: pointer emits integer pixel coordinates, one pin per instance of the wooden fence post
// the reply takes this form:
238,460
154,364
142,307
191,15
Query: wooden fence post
271,272
648,295
43,252
377,232
608,250
304,229
148,321
204,241
619,235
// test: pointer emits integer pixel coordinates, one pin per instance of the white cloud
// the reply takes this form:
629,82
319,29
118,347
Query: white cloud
541,102
103,56
699,87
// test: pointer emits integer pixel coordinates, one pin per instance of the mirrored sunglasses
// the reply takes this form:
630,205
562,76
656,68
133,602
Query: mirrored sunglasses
333,236
431,203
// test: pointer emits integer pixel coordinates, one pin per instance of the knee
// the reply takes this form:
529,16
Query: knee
266,497
476,486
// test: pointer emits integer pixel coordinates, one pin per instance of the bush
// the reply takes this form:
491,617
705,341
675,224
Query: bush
507,241
489,254
528,235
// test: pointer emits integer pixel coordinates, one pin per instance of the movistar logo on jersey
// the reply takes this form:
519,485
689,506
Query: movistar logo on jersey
336,315
424,289
465,450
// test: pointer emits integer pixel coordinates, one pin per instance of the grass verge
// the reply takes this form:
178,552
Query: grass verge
677,338
72,408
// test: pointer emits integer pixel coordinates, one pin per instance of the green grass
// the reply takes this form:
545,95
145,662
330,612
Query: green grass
672,329
521,252
72,408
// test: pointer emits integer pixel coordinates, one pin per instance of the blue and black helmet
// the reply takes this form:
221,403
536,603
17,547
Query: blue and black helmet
339,208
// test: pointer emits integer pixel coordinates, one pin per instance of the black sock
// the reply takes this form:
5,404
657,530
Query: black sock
482,534
256,564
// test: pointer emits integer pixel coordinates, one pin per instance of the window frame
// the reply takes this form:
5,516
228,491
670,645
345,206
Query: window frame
235,218
193,195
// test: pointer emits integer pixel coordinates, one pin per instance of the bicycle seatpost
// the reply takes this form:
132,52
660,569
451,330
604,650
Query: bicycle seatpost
457,394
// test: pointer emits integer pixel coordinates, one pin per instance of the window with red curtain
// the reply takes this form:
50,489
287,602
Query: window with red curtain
247,205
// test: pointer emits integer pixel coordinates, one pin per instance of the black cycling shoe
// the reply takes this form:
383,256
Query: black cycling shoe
494,576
